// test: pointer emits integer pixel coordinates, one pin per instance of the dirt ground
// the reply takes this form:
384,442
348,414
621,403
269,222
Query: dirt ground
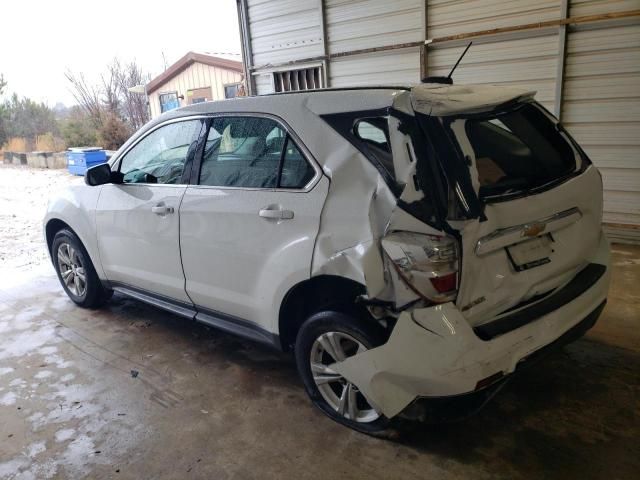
24,193
128,391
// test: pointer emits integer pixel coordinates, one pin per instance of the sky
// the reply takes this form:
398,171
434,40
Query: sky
41,39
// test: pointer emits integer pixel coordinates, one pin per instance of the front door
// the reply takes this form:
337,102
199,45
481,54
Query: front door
137,221
248,228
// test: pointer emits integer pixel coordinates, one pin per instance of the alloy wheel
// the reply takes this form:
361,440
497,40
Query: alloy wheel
71,269
341,395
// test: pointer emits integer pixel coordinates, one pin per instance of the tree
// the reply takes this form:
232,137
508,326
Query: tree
134,105
87,96
28,119
4,135
113,133
77,129
112,109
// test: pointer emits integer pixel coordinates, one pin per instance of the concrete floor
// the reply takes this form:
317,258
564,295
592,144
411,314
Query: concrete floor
207,405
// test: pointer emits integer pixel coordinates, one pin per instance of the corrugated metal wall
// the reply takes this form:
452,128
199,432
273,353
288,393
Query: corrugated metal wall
589,74
354,25
446,17
592,7
601,108
383,68
196,75
282,31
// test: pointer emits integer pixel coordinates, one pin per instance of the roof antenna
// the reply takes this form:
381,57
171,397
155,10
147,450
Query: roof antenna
458,62
447,80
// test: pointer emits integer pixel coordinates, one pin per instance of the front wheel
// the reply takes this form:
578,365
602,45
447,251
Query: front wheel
75,271
329,337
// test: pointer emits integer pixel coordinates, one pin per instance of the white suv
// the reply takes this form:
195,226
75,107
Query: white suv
413,246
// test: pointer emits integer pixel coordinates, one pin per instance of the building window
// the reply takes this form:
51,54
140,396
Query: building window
199,95
300,79
168,101
232,90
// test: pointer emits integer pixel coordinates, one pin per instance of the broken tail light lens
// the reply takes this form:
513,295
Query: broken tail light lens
428,264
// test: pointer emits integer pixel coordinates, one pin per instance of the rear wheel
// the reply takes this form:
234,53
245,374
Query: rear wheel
75,271
330,337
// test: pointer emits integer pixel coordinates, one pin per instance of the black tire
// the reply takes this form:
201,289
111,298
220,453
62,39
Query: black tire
94,294
364,331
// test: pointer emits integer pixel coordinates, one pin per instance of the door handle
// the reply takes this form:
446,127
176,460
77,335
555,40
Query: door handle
161,209
276,214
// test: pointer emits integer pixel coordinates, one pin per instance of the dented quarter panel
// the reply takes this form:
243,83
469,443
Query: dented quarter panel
354,217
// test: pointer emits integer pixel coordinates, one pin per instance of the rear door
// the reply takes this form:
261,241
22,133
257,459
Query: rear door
248,228
137,221
542,202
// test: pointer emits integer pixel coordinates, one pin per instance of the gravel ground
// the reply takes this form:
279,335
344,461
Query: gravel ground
24,193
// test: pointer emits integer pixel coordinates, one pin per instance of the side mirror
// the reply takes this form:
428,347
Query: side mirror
98,175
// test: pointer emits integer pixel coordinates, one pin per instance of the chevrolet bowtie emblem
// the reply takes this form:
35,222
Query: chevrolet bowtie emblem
534,229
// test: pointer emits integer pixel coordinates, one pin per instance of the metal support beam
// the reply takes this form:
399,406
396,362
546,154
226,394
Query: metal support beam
562,56
325,49
424,50
247,54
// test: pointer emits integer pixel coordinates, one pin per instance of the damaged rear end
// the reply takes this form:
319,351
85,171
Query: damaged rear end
491,254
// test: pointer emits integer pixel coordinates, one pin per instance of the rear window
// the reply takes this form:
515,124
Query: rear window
518,151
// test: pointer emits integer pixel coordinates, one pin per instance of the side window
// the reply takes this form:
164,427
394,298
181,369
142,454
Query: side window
373,134
296,171
246,152
374,131
370,135
241,152
161,155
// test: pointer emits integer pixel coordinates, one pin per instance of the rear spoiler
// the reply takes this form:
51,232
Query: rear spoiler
440,100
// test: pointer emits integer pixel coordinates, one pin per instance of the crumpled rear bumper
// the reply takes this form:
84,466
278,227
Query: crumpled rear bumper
434,352
458,407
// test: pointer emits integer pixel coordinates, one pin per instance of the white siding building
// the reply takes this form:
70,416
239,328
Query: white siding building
196,77
582,56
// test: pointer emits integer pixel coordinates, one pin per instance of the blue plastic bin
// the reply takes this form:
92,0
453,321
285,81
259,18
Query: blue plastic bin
79,159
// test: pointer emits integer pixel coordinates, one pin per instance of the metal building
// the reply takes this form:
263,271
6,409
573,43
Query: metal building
582,56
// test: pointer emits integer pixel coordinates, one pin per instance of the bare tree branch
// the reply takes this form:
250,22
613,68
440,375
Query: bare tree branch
112,98
88,97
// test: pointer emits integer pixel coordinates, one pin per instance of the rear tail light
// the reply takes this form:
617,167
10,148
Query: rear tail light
446,283
428,264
